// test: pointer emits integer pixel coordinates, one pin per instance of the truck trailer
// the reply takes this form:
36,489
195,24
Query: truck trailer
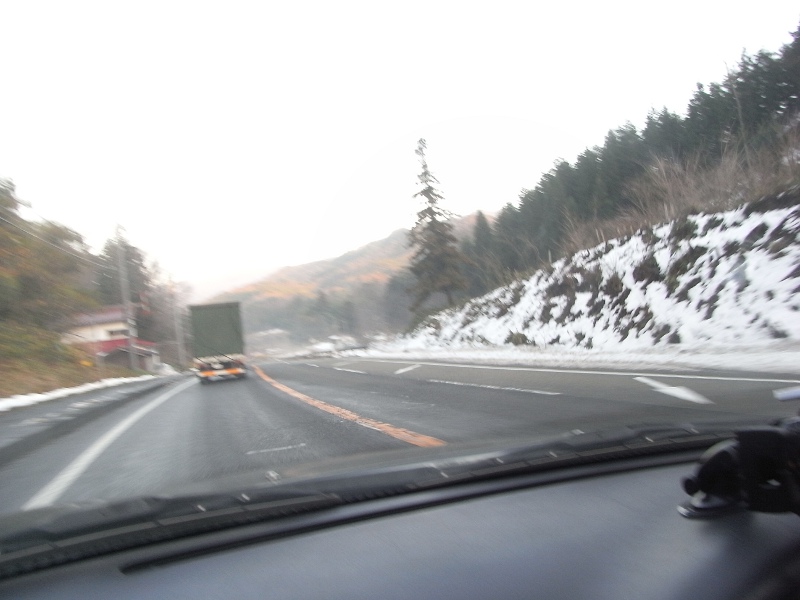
217,341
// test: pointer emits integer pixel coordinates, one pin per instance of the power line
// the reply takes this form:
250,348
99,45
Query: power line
57,247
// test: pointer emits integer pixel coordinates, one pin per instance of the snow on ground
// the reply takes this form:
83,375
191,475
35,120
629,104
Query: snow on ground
707,291
779,358
28,399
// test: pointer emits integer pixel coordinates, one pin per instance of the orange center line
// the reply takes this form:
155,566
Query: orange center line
405,435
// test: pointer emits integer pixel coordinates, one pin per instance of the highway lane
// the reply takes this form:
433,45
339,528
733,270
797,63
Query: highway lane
457,402
286,414
196,435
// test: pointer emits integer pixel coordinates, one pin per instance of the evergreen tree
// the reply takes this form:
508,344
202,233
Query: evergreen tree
664,135
711,117
510,238
140,277
483,271
587,169
621,160
790,66
436,263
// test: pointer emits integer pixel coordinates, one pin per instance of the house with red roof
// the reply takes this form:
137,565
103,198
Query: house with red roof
105,332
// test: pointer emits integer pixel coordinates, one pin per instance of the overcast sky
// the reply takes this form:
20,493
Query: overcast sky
232,138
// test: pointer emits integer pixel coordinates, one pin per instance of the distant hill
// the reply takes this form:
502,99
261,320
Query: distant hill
375,262
354,286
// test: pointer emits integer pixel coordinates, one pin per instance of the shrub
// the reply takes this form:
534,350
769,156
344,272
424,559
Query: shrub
794,273
777,246
712,223
776,333
683,294
682,229
620,301
547,313
567,310
518,339
596,307
731,248
687,260
590,280
660,332
566,285
682,265
784,199
642,317
756,233
647,271
613,286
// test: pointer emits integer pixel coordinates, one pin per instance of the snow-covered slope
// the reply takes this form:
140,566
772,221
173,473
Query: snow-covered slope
725,278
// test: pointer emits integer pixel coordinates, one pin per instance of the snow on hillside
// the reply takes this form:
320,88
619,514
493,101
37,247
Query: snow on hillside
729,278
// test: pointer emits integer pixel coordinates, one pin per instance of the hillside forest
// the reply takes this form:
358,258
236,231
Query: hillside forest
48,275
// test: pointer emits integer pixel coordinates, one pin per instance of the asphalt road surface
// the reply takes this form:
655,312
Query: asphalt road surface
290,413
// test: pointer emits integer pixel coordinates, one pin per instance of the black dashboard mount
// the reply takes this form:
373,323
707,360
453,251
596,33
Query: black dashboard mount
759,470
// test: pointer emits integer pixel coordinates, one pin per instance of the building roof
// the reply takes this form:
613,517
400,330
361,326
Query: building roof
108,314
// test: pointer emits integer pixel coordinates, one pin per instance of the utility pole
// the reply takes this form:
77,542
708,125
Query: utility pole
124,289
177,318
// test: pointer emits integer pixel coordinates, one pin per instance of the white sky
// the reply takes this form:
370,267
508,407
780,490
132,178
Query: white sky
232,138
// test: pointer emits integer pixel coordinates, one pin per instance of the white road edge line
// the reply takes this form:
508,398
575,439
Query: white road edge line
406,369
302,445
59,484
588,372
683,393
496,387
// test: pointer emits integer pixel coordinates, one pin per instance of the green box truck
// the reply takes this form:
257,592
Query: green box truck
217,341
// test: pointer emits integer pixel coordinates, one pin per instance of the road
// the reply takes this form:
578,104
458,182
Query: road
289,413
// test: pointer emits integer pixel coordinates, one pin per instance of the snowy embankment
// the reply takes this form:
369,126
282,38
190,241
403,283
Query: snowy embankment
714,290
28,399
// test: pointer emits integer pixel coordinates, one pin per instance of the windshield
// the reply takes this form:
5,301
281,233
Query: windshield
254,242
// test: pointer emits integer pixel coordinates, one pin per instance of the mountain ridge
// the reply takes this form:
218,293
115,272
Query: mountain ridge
374,262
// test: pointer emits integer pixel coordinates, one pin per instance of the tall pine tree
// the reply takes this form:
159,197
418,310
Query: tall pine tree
436,263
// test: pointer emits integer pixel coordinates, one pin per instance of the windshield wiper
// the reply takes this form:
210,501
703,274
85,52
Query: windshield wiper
52,536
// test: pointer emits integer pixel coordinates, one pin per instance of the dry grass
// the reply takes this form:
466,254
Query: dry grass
29,376
33,360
